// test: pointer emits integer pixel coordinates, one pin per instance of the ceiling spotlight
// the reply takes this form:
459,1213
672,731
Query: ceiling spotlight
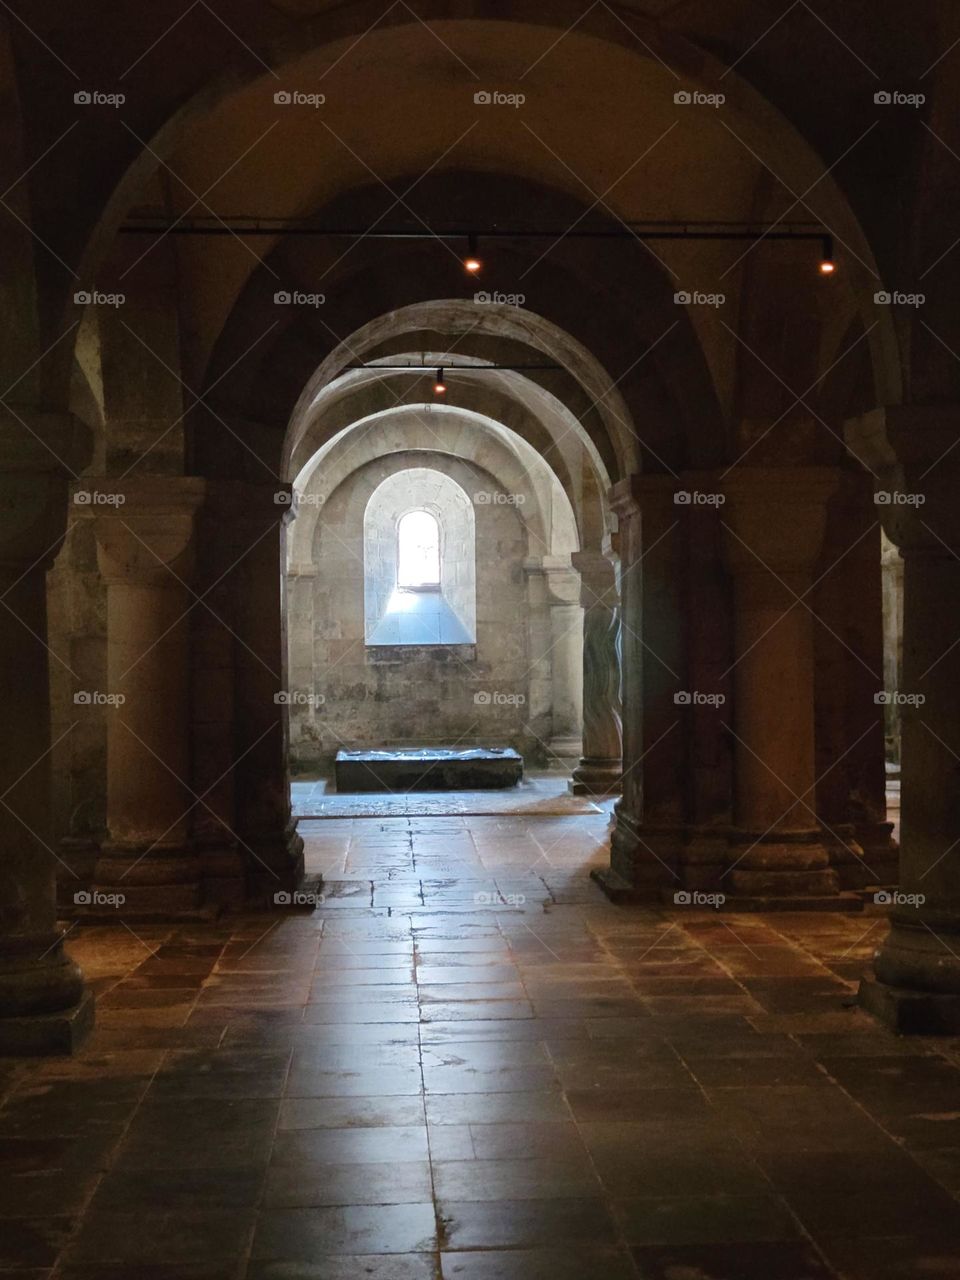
471,262
827,264
439,387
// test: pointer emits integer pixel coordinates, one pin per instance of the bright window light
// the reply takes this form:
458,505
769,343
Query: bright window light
418,551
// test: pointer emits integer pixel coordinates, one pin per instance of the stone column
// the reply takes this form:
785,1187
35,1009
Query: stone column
556,638
44,1007
566,660
306,750
601,764
144,530
707,609
646,842
912,451
265,827
76,609
848,651
774,522
892,570
213,701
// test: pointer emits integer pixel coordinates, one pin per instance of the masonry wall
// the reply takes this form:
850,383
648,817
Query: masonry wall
347,694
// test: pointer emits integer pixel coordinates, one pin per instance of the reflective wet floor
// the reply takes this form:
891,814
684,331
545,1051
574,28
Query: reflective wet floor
466,1063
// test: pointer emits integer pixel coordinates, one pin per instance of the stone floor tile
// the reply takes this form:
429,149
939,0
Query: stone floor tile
515,1094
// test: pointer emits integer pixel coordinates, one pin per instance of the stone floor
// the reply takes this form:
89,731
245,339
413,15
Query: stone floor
543,793
467,1064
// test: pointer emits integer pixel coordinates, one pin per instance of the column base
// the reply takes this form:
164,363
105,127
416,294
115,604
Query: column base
642,856
705,857
274,864
909,1012
845,902
597,777
44,1006
224,876
146,881
881,853
48,1034
621,892
921,953
563,753
794,865
651,864
863,855
846,855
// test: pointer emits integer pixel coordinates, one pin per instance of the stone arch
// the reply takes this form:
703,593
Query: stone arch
757,121
554,524
512,626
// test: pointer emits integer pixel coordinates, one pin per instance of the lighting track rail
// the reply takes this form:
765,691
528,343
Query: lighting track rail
239,226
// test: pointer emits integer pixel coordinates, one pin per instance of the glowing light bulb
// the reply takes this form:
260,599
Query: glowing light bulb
472,261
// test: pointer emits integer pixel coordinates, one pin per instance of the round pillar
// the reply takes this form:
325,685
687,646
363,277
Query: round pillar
774,521
912,452
647,839
144,530
264,825
44,1007
601,764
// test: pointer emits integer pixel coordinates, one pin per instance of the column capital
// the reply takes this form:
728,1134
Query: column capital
598,579
560,580
914,454
775,517
144,527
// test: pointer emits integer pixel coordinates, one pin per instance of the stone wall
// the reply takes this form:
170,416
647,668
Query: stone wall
345,693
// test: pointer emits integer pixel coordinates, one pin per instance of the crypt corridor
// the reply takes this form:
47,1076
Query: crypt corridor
551,389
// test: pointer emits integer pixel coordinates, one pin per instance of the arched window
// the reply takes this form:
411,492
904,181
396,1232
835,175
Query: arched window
418,552
419,561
